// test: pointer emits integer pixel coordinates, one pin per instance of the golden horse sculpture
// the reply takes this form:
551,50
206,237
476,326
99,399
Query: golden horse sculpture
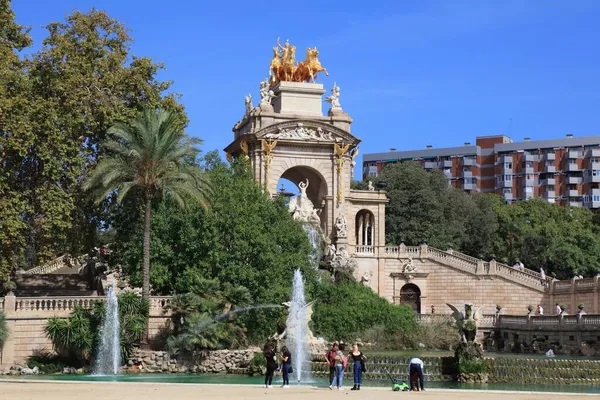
283,67
307,70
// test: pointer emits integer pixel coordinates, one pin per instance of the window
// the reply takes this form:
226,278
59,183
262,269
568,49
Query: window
508,177
572,187
596,172
470,181
550,188
529,189
550,163
596,197
572,161
508,165
528,164
507,191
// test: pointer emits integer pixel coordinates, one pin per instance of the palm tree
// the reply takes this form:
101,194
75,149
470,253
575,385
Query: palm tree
147,158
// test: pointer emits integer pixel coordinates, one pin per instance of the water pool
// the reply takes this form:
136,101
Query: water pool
319,382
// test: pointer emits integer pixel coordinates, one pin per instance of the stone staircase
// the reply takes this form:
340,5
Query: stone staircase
471,265
36,285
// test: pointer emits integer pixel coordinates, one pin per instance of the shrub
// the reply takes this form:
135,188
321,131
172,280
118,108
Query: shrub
49,363
3,330
472,366
343,311
434,336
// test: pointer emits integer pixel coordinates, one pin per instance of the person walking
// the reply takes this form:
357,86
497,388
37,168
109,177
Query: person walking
358,365
271,365
340,364
415,369
286,366
330,357
558,309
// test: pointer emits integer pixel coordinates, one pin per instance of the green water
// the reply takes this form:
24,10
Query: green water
248,380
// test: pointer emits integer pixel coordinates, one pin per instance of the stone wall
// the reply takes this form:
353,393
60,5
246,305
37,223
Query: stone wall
26,318
218,361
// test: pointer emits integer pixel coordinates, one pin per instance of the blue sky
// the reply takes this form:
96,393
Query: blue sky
411,73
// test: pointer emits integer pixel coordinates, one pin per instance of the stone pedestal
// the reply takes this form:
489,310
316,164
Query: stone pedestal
299,98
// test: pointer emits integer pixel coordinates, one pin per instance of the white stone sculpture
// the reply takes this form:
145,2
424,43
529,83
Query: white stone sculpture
334,99
302,208
343,261
341,226
366,278
409,266
371,187
302,133
249,106
304,318
266,95
330,252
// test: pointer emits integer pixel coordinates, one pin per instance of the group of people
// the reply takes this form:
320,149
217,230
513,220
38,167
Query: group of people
338,362
272,365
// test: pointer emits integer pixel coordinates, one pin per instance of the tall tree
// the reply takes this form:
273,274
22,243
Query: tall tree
147,160
60,103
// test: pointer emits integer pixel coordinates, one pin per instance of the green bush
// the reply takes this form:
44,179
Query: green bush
433,336
3,330
49,363
343,311
472,366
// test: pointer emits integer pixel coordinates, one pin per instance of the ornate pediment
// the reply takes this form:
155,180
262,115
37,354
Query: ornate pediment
306,131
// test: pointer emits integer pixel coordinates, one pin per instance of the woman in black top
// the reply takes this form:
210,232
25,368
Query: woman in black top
358,365
271,365
286,365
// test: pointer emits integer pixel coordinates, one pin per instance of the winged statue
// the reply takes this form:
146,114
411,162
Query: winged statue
466,321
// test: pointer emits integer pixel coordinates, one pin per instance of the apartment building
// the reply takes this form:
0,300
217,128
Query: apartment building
563,171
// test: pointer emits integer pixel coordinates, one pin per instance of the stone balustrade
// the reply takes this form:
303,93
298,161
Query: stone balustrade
27,317
48,268
365,250
472,265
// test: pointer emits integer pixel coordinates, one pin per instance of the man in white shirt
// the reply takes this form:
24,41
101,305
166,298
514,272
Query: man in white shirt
540,309
415,367
558,309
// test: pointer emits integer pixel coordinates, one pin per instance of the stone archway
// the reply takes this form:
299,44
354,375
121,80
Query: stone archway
410,295
317,188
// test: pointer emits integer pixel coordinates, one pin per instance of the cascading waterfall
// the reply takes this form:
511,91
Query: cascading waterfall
316,242
108,359
297,339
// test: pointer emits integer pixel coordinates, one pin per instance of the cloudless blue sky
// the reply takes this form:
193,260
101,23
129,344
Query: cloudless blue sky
411,73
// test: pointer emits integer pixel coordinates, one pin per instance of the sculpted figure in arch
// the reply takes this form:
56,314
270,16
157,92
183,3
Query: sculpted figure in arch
303,208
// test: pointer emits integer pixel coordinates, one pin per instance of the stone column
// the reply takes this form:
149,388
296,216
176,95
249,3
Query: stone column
372,218
596,306
8,351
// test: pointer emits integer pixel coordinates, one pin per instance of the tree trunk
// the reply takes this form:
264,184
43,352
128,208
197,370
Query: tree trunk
146,264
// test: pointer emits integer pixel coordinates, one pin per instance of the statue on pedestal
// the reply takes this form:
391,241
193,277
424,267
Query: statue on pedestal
334,99
302,208
341,226
249,106
266,95
409,266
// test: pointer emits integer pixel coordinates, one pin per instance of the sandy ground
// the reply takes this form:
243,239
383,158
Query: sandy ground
29,390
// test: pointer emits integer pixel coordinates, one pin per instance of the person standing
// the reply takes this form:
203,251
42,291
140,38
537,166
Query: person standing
286,364
340,364
540,309
415,368
271,365
358,365
558,309
330,357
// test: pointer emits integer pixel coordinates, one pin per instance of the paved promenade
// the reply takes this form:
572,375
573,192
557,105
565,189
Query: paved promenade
37,390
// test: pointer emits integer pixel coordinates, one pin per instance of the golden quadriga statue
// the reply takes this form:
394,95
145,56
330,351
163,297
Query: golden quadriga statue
284,68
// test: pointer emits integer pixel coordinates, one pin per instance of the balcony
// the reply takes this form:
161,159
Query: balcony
587,178
467,174
430,164
530,157
469,161
574,193
529,181
504,159
447,164
528,194
592,153
505,184
549,194
508,196
576,203
549,168
572,167
548,156
527,170
574,180
591,204
470,186
594,166
548,181
574,154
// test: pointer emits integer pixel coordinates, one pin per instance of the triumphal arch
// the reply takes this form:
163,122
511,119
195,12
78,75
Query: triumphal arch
287,135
